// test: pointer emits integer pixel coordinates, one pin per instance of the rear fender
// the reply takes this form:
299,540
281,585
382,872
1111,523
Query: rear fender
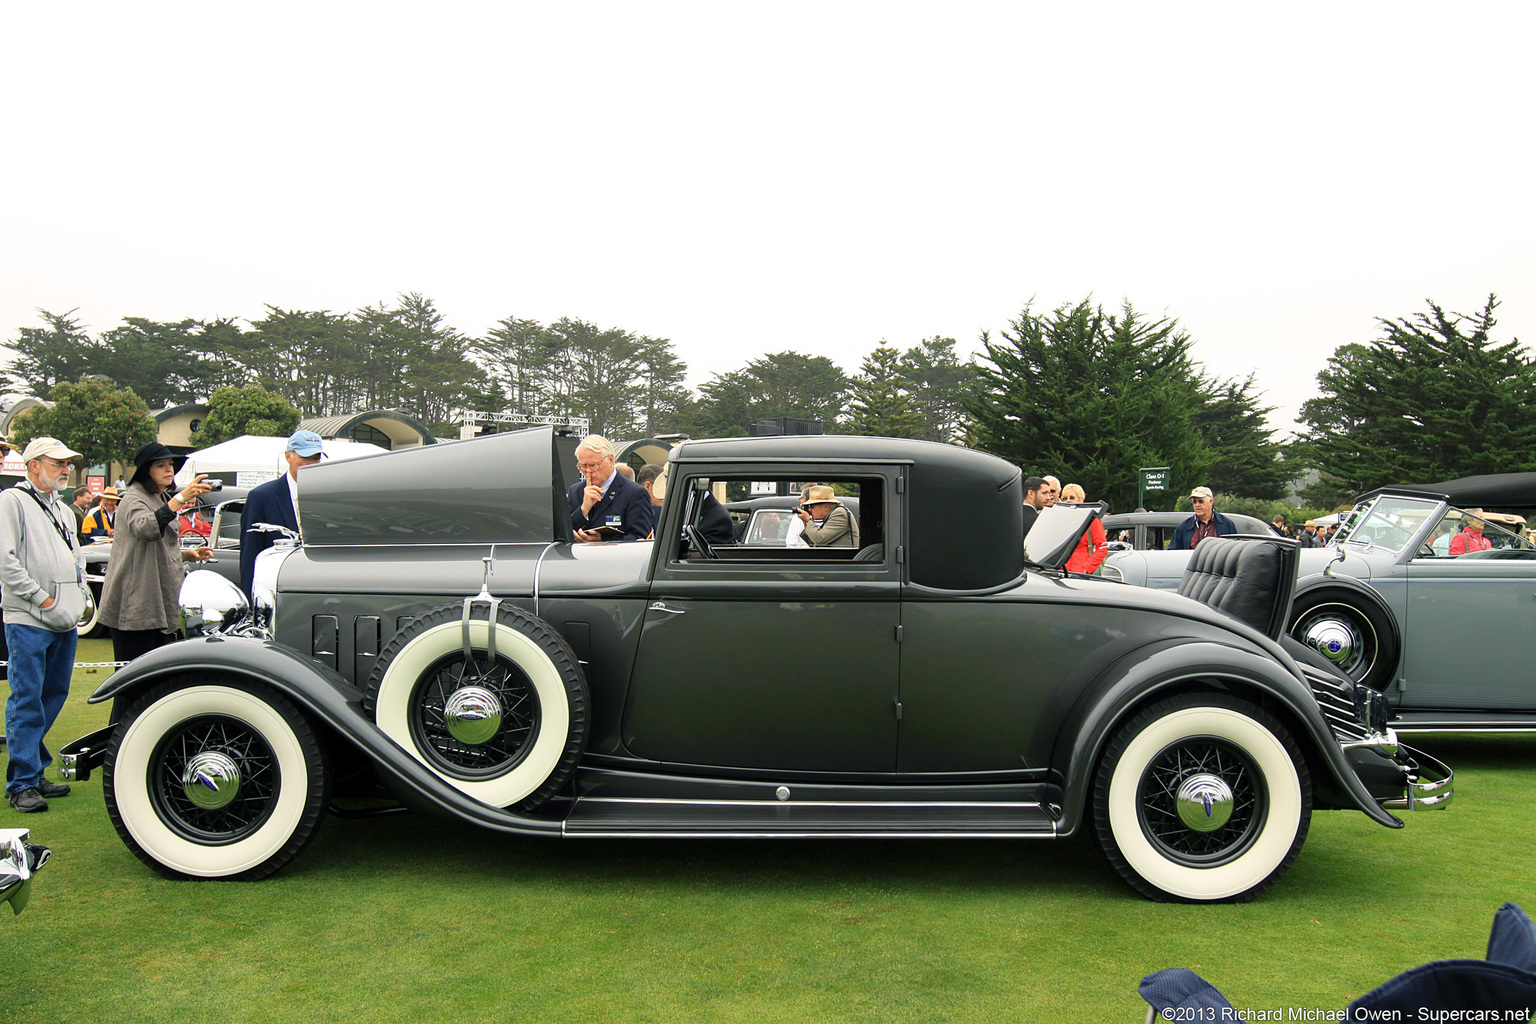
1170,666
327,697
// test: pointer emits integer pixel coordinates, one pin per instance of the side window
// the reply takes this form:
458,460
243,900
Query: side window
842,519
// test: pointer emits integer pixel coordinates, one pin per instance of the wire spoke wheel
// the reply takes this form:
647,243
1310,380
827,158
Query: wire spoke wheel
1159,800
1202,797
437,721
215,778
177,759
507,731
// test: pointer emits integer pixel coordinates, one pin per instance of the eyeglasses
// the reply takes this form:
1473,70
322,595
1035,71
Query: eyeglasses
53,463
584,466
1198,501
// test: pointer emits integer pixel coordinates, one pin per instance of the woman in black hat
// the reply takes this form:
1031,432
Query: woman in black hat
139,599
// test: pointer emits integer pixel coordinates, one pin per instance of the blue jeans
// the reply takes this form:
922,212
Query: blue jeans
41,663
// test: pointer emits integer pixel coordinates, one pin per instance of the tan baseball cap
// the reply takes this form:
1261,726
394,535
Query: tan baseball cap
49,446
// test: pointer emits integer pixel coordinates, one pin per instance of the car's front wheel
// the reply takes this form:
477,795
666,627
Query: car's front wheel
1202,797
507,730
223,780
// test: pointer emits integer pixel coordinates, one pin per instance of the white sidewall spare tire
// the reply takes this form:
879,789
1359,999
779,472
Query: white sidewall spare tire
396,690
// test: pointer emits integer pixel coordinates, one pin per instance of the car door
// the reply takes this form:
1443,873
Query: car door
768,657
1467,642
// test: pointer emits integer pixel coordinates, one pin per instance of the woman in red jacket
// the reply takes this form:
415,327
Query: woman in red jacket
1093,547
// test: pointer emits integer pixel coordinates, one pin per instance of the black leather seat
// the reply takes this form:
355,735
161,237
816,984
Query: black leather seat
1249,578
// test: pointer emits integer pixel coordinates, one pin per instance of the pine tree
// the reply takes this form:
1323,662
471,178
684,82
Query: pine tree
883,404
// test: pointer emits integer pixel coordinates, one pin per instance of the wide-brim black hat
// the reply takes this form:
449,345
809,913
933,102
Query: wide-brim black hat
151,453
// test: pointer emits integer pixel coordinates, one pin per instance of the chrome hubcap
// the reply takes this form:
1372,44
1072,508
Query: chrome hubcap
1332,639
472,715
1204,802
211,780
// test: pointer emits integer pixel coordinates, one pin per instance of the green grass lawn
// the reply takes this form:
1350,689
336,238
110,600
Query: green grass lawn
408,918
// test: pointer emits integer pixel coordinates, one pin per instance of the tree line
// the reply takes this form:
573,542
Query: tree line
1080,391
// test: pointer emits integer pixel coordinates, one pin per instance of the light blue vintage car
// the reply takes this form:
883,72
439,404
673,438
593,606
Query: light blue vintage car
1444,636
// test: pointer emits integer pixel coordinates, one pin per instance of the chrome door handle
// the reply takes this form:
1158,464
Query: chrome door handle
661,606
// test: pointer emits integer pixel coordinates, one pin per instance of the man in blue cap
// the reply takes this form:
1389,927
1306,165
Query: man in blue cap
276,503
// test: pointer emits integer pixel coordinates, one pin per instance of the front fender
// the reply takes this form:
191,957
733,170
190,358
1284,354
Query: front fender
322,694
1161,668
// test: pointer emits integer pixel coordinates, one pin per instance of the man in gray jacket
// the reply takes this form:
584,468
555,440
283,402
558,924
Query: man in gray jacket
43,596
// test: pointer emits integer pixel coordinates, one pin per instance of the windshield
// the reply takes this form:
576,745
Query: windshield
1393,522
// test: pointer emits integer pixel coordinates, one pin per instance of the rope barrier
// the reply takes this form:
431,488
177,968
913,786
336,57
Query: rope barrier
87,664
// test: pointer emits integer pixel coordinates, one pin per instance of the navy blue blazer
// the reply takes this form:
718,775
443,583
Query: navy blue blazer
267,503
626,505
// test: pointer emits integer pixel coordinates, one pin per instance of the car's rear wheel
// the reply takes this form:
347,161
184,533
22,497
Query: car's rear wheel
225,780
1355,635
1200,798
507,731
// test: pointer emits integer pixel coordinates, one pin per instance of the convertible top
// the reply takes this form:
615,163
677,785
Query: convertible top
1490,490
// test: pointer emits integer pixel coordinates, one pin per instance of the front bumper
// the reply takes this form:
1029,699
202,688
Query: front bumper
78,757
1400,777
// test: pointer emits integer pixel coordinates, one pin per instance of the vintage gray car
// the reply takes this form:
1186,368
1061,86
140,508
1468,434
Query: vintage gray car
439,635
1152,531
1388,603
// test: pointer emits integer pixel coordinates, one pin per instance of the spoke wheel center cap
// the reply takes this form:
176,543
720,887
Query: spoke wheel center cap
1204,802
211,780
473,715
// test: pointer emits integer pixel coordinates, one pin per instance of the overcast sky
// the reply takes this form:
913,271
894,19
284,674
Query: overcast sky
748,178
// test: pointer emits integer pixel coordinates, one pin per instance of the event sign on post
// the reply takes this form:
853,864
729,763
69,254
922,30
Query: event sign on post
1153,478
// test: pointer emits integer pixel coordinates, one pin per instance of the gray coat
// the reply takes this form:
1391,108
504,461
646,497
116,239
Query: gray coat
144,572
36,563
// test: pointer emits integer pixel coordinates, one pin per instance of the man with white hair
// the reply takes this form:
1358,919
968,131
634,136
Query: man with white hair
44,594
604,504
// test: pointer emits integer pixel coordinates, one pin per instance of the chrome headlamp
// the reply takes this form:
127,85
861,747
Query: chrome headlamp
87,613
19,861
210,604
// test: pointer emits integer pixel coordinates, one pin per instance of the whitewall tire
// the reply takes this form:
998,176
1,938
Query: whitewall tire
215,781
507,734
1202,797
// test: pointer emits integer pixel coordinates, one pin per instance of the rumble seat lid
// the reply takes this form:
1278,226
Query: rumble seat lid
503,489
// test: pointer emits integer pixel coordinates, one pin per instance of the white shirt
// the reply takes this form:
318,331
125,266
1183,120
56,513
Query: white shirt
795,537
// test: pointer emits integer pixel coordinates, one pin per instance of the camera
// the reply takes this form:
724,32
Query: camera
214,485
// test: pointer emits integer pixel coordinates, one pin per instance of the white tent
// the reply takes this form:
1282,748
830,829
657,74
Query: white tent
254,459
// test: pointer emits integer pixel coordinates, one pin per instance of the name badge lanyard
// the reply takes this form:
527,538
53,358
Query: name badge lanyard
63,535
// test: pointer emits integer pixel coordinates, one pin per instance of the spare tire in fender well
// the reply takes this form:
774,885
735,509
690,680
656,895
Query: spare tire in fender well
508,733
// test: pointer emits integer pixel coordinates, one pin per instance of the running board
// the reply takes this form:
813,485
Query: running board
1463,721
611,817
